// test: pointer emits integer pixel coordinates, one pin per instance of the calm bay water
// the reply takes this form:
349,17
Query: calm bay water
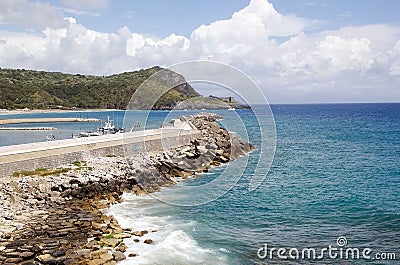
336,173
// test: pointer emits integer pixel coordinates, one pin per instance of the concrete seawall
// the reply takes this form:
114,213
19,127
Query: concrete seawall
57,153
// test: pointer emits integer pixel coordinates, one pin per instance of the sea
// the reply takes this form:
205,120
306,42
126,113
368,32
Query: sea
327,189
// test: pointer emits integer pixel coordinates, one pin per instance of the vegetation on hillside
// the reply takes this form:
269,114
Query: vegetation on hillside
42,90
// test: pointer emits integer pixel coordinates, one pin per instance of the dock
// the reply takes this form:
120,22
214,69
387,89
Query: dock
45,120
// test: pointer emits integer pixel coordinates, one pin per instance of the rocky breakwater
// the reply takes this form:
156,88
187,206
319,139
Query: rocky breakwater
214,146
59,216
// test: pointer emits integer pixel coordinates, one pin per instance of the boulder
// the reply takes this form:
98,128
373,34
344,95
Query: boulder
140,233
118,256
148,241
111,242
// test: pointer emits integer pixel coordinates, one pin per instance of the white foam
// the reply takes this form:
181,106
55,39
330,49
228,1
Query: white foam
172,243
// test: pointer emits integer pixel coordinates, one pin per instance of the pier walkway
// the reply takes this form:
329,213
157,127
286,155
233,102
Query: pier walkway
52,154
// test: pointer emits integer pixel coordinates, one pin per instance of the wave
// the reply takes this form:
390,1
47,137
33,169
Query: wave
172,239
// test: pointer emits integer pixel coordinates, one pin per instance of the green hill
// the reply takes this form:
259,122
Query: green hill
41,90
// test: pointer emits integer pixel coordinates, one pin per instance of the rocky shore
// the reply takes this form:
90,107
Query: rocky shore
61,218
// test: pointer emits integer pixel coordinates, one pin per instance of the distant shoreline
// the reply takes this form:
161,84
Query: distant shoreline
40,111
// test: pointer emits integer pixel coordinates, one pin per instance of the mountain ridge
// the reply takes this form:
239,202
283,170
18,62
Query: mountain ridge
20,88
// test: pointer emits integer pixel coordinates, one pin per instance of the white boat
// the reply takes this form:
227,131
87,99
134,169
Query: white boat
108,128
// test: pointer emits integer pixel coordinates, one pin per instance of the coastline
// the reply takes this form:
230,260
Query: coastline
37,204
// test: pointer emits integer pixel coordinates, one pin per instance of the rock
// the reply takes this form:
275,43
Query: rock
26,255
84,253
99,252
148,241
96,262
118,256
132,255
110,242
122,235
122,247
106,257
97,225
219,152
43,258
13,260
140,233
12,254
59,253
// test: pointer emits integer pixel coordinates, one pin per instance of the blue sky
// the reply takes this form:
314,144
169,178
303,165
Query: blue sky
296,51
161,18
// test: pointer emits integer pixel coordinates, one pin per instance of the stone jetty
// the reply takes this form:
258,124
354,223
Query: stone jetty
57,216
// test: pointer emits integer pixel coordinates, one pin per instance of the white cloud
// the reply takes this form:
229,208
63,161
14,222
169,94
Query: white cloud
315,4
382,36
86,4
80,12
32,14
348,64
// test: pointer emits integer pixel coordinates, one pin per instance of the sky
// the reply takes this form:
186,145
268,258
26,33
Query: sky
296,51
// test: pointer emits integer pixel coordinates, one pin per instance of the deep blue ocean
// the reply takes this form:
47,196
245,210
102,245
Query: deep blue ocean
335,173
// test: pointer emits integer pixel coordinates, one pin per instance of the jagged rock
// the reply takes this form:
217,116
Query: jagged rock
122,235
43,258
140,233
148,241
59,253
96,262
118,256
26,255
106,257
111,242
13,260
122,247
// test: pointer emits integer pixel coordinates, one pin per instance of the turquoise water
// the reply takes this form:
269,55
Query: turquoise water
336,172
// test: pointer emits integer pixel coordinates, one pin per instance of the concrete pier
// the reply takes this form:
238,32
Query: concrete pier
53,154
45,120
